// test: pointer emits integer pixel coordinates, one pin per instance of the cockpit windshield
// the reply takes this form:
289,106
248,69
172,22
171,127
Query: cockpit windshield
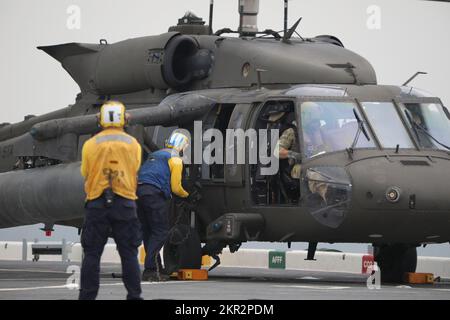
330,126
387,124
429,123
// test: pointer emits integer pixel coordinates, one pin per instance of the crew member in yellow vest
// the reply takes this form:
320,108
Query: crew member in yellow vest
110,164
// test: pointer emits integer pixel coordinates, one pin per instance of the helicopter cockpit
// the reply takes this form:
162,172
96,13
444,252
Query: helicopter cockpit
333,124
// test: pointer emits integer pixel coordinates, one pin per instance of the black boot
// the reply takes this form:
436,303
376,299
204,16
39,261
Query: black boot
153,276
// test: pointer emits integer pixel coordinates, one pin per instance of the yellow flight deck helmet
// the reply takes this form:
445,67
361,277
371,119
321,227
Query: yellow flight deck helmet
177,141
112,115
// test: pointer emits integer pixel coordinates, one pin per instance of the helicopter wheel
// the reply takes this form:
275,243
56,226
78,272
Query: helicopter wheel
182,250
395,260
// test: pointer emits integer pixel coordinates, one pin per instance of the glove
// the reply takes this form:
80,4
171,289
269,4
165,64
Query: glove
297,157
183,203
194,196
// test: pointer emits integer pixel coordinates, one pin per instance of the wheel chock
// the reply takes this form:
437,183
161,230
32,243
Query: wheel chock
193,274
419,278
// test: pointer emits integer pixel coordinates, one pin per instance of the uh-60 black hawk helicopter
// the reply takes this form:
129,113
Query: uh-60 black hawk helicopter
374,165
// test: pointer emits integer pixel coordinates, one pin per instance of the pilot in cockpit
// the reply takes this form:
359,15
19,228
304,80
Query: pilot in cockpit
314,144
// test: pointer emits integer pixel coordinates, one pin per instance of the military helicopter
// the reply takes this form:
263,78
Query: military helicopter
363,147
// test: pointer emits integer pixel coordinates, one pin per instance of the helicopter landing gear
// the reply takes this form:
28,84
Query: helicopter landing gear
312,247
182,250
395,260
214,249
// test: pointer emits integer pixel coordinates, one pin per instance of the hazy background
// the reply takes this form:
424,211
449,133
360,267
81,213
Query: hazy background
414,35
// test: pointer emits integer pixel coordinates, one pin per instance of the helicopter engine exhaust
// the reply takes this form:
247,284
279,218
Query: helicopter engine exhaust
160,62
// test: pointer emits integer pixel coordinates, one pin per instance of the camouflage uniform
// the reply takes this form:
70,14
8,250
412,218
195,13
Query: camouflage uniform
288,141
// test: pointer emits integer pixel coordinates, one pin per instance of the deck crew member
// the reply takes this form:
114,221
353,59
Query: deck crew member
159,177
110,164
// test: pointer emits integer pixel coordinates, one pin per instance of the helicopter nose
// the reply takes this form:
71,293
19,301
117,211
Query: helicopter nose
379,190
401,184
399,195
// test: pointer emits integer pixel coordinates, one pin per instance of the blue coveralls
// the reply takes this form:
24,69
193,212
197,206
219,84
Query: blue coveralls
153,193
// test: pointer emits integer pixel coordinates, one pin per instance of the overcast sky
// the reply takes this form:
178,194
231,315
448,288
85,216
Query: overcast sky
413,36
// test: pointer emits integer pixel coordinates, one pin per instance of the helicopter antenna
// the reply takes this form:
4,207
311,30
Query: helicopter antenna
286,6
298,34
288,35
413,77
241,16
211,13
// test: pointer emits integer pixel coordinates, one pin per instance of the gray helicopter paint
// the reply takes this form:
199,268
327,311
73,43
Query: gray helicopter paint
41,195
298,223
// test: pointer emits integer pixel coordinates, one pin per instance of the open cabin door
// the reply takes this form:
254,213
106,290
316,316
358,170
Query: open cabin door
272,183
235,172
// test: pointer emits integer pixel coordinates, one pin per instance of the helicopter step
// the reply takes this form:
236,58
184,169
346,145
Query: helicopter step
236,227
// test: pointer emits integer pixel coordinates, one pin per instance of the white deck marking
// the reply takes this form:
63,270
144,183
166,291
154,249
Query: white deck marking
101,285
312,287
33,288
446,290
31,271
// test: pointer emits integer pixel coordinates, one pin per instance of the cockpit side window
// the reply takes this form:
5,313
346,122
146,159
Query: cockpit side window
329,127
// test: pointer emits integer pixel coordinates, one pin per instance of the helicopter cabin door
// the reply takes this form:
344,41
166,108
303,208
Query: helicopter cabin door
235,151
273,181
234,160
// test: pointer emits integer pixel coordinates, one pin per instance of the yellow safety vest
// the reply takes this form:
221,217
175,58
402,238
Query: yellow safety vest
112,156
